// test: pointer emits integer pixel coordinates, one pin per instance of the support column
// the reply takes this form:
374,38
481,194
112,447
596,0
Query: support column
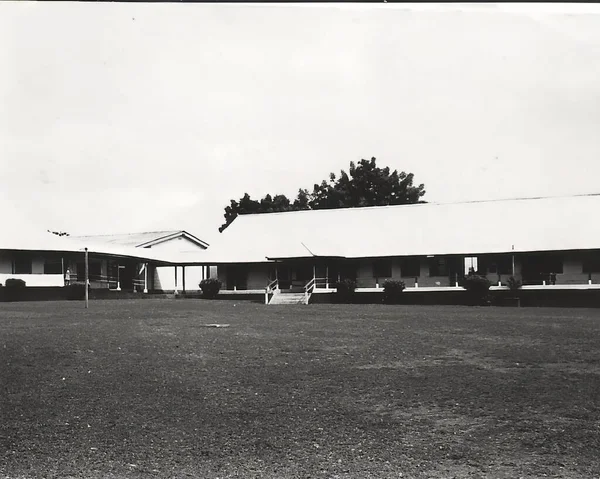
87,282
175,291
145,277
183,278
327,276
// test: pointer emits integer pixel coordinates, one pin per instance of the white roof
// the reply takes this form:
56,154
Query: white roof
27,238
498,226
478,227
141,240
20,233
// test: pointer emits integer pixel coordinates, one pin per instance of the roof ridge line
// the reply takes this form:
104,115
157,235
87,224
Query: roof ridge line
126,234
521,198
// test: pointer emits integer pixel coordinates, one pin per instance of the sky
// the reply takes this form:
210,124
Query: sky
128,117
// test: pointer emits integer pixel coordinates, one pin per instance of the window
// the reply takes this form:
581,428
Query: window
471,264
591,264
52,267
22,266
410,267
94,271
382,268
347,270
438,267
541,264
237,276
496,264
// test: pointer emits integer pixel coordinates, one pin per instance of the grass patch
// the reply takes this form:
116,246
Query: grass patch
142,388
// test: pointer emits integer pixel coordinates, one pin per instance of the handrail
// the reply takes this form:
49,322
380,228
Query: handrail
273,285
310,285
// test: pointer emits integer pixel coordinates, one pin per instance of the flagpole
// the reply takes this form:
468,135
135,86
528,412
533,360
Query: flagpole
86,279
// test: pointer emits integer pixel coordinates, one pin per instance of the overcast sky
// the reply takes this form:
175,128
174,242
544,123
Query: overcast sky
132,117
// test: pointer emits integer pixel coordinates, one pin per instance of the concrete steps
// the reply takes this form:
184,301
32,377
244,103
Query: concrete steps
288,298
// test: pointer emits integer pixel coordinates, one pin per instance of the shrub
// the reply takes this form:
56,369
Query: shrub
15,283
345,290
210,287
478,288
75,291
513,283
392,291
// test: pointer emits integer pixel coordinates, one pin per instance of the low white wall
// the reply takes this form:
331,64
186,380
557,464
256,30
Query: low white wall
35,279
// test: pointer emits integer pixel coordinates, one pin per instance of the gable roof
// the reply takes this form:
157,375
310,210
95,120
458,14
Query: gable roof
142,240
475,227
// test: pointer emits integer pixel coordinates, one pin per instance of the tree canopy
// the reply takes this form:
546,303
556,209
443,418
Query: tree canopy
365,184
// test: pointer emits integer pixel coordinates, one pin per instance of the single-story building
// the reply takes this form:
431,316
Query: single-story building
43,260
145,264
544,242
165,243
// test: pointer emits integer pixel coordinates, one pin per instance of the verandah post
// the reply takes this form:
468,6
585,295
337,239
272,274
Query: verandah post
87,282
175,291
145,277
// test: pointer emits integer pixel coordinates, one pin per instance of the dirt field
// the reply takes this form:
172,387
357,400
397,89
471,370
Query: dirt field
145,389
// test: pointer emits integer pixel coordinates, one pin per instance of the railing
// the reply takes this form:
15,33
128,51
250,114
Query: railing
273,285
324,283
309,288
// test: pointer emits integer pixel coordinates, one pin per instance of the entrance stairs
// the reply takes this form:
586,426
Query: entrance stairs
289,298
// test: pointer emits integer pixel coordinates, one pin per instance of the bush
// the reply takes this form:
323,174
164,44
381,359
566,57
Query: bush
210,287
392,291
15,283
345,290
514,284
75,291
478,288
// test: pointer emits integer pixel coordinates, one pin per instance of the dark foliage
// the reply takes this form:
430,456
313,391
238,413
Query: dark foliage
210,287
76,291
365,184
478,288
345,290
392,291
514,284
59,233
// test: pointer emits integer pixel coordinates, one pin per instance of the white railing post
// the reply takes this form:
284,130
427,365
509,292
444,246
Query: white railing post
266,295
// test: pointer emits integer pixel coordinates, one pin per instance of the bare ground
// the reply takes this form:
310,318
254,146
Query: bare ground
142,389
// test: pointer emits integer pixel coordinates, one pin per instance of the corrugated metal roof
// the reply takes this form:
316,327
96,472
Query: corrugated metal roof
139,240
477,227
128,239
26,237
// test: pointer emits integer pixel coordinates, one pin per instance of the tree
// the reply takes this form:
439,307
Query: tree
247,205
365,185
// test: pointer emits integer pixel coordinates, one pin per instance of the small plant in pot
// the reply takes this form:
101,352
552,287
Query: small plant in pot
210,287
